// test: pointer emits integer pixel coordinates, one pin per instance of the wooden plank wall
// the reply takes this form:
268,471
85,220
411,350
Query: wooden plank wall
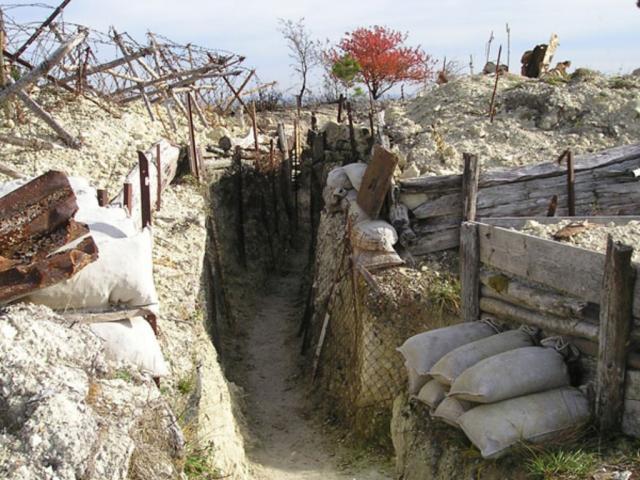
604,185
557,287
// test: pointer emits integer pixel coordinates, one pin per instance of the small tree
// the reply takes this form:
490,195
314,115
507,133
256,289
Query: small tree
346,69
302,49
384,59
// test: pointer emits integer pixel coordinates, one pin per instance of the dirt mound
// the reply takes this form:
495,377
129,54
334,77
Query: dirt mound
535,121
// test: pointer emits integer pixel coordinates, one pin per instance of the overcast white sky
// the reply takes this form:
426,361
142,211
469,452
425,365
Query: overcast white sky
600,34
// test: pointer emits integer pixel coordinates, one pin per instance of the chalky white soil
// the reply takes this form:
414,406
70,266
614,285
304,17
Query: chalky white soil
535,121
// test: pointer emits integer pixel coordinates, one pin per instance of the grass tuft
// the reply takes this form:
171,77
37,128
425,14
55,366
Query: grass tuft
561,464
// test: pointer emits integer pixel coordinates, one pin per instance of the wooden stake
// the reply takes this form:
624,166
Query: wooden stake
352,135
470,181
192,141
103,197
128,197
159,177
340,107
614,337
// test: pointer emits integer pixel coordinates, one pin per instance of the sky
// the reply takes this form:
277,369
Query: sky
598,34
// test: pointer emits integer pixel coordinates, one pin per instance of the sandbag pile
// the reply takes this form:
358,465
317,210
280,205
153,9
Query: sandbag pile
372,239
499,388
121,277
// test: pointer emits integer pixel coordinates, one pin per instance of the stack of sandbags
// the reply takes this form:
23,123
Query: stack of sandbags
372,240
121,277
500,389
421,352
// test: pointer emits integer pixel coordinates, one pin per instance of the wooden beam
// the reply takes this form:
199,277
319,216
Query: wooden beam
614,337
470,271
109,65
145,190
44,25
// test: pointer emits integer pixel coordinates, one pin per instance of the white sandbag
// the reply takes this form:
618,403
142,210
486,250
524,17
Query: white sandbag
338,179
416,381
512,374
132,341
122,275
374,235
534,418
450,410
449,367
374,261
422,351
107,223
357,214
355,172
432,393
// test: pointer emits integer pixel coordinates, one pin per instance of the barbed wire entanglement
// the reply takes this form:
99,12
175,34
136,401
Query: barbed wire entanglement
116,67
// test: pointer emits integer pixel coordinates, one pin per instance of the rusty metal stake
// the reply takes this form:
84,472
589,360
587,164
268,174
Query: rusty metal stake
128,197
571,180
103,197
553,206
492,108
145,189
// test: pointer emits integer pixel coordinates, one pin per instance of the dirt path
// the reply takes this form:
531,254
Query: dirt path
290,443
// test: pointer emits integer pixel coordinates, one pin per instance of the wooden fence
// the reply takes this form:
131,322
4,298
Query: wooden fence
603,184
590,297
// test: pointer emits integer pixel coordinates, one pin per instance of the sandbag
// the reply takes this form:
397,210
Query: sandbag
337,179
432,393
374,235
416,381
122,275
533,418
355,172
374,261
450,410
512,374
449,367
132,341
357,214
422,351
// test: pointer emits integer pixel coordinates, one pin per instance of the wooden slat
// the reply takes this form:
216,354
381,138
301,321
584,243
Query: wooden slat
631,418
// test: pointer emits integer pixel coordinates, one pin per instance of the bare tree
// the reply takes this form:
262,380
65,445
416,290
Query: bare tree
302,49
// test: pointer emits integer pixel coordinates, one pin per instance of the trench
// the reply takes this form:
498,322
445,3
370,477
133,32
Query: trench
259,260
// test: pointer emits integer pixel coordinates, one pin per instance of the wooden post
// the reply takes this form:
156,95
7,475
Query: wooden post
470,179
614,335
159,177
193,150
340,107
254,125
103,197
470,271
145,190
352,135
128,197
237,164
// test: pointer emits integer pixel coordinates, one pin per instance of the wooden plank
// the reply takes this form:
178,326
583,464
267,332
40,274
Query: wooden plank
145,191
632,383
470,271
450,204
615,328
543,261
376,181
436,242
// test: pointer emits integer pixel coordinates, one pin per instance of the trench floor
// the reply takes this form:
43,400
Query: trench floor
291,441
